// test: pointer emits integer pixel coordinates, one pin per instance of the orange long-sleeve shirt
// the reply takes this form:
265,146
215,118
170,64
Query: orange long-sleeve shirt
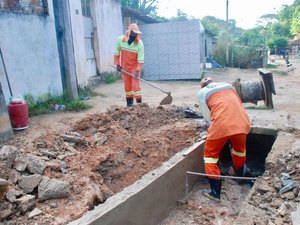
130,57
228,116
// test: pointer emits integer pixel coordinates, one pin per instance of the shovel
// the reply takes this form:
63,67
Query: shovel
167,100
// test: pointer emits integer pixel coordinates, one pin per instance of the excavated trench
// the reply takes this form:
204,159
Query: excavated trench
258,147
153,199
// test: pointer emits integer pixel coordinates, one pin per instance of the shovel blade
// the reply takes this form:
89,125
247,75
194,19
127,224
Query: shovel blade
167,100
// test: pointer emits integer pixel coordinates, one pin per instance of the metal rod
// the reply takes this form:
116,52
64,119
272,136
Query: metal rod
221,176
124,71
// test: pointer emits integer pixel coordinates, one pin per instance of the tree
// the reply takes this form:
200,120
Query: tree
295,26
278,43
181,16
146,7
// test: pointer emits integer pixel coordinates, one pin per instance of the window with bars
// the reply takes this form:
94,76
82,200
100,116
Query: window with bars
86,8
25,6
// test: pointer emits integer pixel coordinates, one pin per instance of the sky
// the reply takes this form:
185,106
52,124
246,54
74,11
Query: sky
244,12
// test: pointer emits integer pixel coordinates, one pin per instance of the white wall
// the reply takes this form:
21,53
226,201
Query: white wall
77,25
107,18
29,46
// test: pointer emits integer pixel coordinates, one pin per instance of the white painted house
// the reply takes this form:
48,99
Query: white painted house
51,47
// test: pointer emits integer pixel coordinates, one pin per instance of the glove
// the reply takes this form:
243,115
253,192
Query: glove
137,73
119,68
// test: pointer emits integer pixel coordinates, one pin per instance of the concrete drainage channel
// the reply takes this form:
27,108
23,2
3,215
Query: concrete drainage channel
151,199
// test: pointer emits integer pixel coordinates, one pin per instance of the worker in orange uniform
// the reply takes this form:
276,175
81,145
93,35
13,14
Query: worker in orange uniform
222,108
129,56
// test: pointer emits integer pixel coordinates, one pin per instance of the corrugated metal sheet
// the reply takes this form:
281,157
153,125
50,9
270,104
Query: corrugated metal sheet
173,50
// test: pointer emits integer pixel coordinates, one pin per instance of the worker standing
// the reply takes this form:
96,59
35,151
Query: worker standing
129,56
221,106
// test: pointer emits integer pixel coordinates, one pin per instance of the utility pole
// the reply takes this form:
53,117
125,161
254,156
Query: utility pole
227,39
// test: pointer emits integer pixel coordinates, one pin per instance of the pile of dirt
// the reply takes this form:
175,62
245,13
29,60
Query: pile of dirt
102,154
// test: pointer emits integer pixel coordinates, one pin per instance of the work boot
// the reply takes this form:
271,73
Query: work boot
139,100
215,186
129,102
242,172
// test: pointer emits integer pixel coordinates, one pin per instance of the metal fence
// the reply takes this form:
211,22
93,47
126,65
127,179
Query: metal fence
39,7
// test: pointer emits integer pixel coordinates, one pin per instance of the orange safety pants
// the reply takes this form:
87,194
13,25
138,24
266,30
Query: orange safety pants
132,87
213,148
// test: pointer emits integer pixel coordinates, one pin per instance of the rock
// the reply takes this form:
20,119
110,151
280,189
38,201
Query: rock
283,210
288,185
3,187
41,144
8,153
36,165
20,164
62,157
53,205
26,203
14,176
296,216
100,138
52,188
28,183
296,148
288,195
72,138
121,156
55,165
13,194
278,220
48,153
6,213
7,157
35,212
263,188
276,203
281,162
70,148
267,197
277,184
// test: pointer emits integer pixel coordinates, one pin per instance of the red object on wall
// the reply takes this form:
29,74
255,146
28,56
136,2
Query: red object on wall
18,113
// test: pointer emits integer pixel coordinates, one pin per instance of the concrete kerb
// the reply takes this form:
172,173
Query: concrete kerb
149,200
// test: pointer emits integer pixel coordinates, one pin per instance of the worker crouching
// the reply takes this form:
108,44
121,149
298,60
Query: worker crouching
222,108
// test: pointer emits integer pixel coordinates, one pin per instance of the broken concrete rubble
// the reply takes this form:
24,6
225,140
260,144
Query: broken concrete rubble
52,188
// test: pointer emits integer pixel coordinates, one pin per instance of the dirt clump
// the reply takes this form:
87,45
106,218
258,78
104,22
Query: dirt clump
102,154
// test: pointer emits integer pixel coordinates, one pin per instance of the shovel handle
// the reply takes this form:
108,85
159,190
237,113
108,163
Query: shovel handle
130,74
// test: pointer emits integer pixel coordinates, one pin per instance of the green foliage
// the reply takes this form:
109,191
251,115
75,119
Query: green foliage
295,26
76,105
271,66
278,42
251,37
110,78
181,16
44,107
146,7
160,18
279,72
211,25
280,29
